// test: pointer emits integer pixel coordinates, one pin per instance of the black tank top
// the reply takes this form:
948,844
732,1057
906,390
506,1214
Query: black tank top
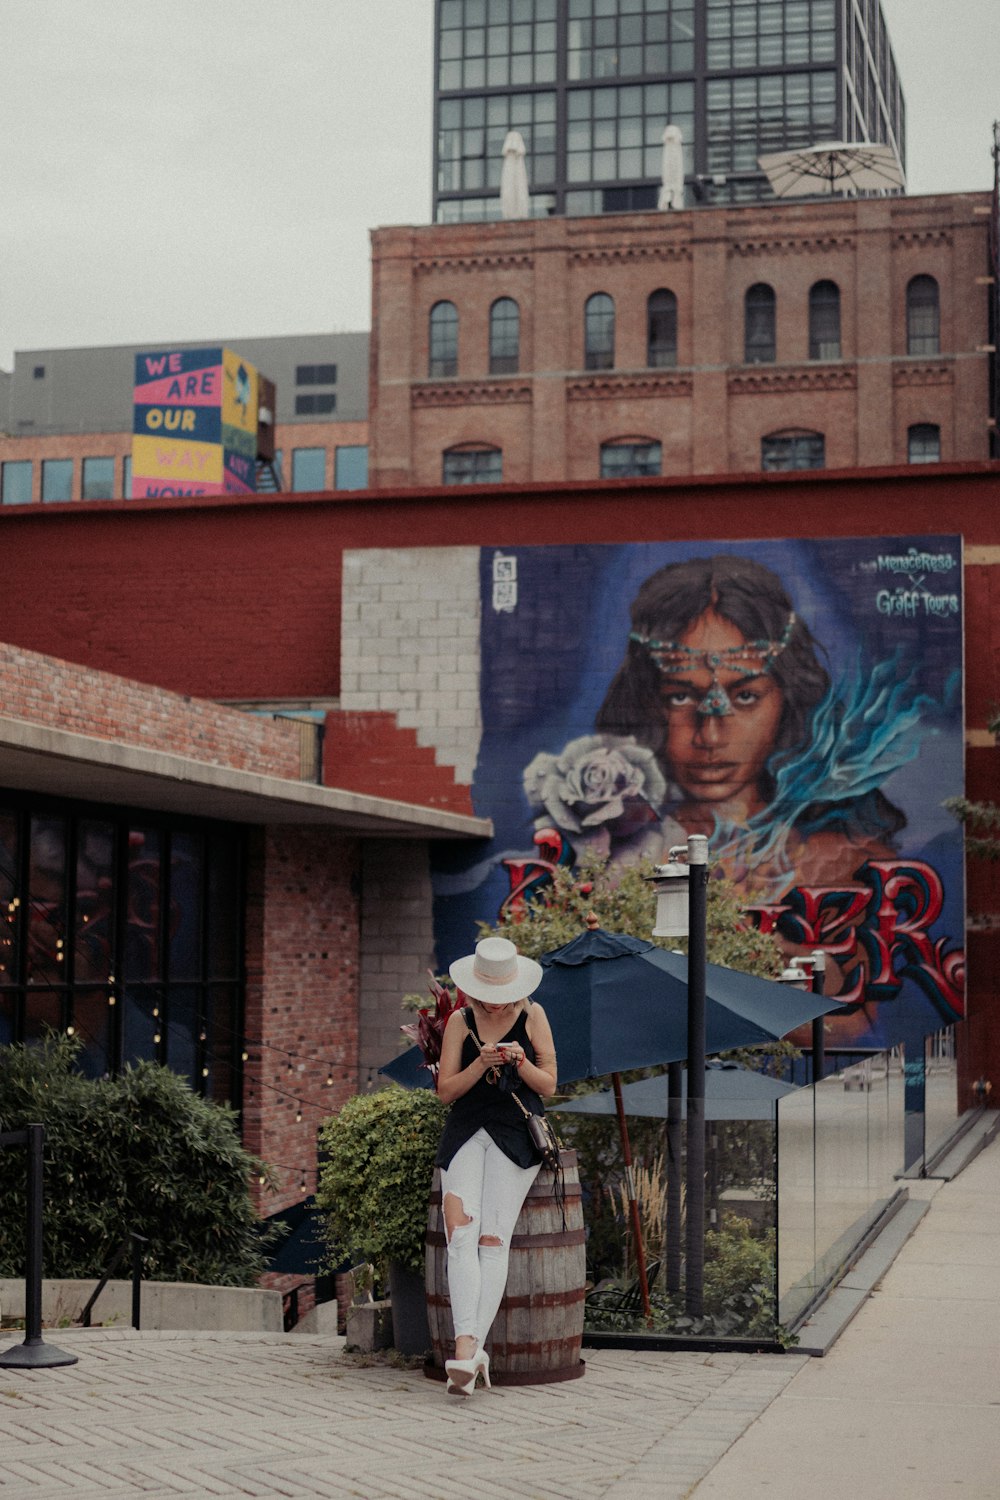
485,1107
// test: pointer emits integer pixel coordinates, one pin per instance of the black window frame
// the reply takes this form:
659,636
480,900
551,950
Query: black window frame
122,994
320,374
442,340
661,329
824,321
505,337
923,433
643,458
472,463
599,332
789,448
760,324
923,316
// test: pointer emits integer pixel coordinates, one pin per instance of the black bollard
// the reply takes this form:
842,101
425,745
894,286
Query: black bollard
34,1353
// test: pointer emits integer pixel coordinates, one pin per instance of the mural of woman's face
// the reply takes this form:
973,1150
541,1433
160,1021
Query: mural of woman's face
719,757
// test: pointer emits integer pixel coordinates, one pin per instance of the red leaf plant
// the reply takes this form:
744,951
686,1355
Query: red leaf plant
428,1029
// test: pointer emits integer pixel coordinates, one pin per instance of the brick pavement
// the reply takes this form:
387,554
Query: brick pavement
163,1414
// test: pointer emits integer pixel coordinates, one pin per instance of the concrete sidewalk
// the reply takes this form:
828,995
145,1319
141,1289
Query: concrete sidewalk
906,1404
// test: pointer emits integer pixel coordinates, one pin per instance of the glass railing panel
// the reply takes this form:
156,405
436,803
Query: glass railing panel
839,1147
796,1203
940,1089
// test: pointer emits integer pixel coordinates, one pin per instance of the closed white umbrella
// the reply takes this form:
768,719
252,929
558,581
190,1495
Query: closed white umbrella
833,167
514,202
672,169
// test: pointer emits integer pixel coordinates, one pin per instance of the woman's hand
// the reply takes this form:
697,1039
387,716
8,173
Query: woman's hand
511,1052
493,1055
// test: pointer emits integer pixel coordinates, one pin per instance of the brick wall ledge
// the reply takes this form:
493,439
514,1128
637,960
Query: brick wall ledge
57,762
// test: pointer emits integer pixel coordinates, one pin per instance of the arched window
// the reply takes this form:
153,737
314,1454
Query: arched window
599,333
824,320
923,443
505,336
923,316
443,341
631,458
661,329
472,463
758,325
793,449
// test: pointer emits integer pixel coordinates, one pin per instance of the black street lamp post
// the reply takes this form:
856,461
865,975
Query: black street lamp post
682,910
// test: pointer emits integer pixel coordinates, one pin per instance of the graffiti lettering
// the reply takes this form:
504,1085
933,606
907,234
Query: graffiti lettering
917,562
909,602
877,931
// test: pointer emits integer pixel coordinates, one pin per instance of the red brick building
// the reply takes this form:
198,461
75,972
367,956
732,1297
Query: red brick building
836,334
270,633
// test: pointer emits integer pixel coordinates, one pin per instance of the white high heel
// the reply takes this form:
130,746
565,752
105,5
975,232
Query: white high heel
463,1373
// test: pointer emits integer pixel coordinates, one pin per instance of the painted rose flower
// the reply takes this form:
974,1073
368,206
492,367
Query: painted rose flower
599,780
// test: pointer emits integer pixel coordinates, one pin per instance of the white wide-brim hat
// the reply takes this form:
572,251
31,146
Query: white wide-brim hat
496,973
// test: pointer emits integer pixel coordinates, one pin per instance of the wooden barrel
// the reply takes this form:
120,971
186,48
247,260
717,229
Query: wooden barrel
538,1332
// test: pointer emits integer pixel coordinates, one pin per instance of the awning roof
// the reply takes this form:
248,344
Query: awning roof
58,763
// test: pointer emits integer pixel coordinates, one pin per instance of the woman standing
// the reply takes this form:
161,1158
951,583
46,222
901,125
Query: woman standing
497,1045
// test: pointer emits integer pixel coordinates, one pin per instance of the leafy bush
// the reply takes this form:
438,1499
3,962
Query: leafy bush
739,1294
624,901
374,1188
140,1152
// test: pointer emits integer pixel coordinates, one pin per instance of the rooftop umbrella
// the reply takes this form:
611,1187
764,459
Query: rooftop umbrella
833,167
671,169
514,198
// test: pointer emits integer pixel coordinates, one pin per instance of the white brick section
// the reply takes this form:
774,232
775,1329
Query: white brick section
397,944
410,645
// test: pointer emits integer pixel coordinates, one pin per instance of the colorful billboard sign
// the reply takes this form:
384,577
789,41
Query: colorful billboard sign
194,428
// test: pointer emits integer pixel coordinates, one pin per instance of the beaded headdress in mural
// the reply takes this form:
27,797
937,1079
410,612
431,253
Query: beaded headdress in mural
752,659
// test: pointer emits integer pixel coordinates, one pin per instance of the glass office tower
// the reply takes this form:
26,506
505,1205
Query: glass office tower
590,84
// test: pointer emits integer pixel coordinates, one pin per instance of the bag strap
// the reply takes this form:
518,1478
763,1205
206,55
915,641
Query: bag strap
527,1113
466,1012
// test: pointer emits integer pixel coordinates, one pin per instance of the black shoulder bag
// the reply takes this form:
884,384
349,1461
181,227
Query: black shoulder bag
543,1137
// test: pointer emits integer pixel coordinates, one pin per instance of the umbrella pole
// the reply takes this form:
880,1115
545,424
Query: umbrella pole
640,1253
675,1138
697,959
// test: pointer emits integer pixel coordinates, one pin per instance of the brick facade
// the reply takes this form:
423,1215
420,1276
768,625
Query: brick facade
711,411
43,690
302,964
268,627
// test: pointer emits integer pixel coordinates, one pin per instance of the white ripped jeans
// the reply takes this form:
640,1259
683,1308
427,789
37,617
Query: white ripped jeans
491,1189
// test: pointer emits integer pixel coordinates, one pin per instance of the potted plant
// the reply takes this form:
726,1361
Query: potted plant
373,1193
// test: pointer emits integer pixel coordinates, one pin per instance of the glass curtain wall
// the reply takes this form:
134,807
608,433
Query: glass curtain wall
590,84
126,931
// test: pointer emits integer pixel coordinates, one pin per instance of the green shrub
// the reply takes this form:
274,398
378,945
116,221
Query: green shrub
374,1188
739,1294
140,1152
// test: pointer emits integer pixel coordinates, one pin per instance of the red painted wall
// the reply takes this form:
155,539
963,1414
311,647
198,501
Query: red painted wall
240,601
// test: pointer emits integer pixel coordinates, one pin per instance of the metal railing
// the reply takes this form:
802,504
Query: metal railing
34,1353
136,1241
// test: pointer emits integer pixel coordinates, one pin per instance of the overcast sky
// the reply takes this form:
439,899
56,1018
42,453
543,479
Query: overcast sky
191,169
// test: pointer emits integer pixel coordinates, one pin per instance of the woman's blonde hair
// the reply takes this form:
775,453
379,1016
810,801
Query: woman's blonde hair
522,1006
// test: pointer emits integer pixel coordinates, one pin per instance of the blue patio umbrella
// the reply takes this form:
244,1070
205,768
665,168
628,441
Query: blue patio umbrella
732,1092
616,1002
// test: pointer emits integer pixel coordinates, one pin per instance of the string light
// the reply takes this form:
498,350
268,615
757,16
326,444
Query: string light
158,1038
